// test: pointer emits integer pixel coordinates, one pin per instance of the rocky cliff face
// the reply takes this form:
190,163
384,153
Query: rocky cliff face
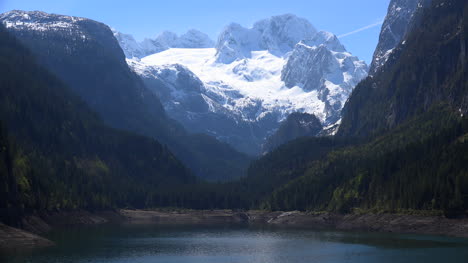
397,23
323,64
85,55
426,70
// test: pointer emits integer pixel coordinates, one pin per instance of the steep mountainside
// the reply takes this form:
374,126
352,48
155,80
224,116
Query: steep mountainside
425,70
399,20
410,121
86,56
422,165
55,153
280,66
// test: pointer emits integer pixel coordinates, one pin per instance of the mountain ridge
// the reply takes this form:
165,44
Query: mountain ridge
191,39
249,94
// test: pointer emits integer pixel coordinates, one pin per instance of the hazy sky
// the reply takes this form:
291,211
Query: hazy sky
147,18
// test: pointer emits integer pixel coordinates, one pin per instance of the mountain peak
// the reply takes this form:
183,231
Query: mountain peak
280,34
277,34
254,79
193,38
328,39
167,38
128,44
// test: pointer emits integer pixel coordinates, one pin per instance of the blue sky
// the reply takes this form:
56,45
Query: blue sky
147,18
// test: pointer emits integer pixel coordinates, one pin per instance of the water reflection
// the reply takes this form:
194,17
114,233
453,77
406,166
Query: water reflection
151,243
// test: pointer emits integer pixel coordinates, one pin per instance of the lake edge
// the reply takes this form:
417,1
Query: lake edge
34,226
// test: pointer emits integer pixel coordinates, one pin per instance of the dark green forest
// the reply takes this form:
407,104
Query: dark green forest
58,154
421,165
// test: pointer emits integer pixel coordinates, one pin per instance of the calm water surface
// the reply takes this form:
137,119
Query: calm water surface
171,244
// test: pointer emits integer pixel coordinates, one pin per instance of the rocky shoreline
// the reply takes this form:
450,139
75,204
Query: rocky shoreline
398,223
33,226
14,238
28,236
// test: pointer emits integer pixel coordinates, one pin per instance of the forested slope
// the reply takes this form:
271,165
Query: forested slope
57,154
428,68
406,132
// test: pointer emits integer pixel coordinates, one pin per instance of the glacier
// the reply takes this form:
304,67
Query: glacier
241,88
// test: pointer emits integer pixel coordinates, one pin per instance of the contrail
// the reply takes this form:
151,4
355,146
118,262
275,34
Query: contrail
361,29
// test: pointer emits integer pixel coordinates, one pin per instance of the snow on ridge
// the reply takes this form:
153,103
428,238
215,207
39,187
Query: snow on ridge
314,75
39,21
191,39
255,75
277,34
257,79
245,85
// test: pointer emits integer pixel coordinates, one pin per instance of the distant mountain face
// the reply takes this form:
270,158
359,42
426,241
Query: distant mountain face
88,58
187,100
295,126
253,79
397,24
166,40
321,64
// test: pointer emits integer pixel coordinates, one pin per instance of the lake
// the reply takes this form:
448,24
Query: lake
238,244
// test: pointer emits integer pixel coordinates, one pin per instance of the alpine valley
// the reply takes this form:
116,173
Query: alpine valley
273,124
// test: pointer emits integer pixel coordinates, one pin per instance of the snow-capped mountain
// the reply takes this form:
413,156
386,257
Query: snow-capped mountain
166,40
397,24
212,110
278,35
255,77
322,64
238,90
130,46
